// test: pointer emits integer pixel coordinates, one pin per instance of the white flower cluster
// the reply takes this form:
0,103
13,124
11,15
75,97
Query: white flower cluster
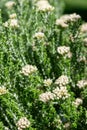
61,93
10,4
39,35
65,19
45,97
43,5
23,123
78,102
64,50
28,69
12,22
60,22
3,90
85,41
47,82
82,83
67,126
68,55
84,28
13,16
62,80
71,18
81,59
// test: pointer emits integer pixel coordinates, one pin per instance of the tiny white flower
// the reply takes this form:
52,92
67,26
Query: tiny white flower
85,42
65,19
28,69
3,90
68,55
77,102
84,28
61,93
70,17
67,125
10,4
81,59
82,83
23,123
13,23
61,23
12,16
75,17
39,35
63,50
62,80
43,5
6,24
47,82
45,97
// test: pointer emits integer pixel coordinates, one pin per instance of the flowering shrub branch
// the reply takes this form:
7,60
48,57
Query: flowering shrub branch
43,67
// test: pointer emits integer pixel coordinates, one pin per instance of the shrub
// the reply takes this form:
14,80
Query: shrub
42,67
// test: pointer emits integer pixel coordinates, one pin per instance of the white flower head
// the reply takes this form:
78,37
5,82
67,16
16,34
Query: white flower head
13,23
81,59
62,50
12,16
62,80
10,4
85,41
28,69
61,93
78,102
43,5
47,82
84,28
65,19
45,97
23,123
67,125
70,17
74,17
3,90
39,35
61,23
68,55
6,24
82,83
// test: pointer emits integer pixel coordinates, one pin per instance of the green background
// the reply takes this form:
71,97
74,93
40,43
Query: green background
78,6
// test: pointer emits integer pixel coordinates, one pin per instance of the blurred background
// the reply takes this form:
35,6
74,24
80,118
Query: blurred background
70,6
78,6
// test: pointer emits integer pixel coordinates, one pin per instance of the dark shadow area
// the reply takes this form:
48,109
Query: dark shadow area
81,12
